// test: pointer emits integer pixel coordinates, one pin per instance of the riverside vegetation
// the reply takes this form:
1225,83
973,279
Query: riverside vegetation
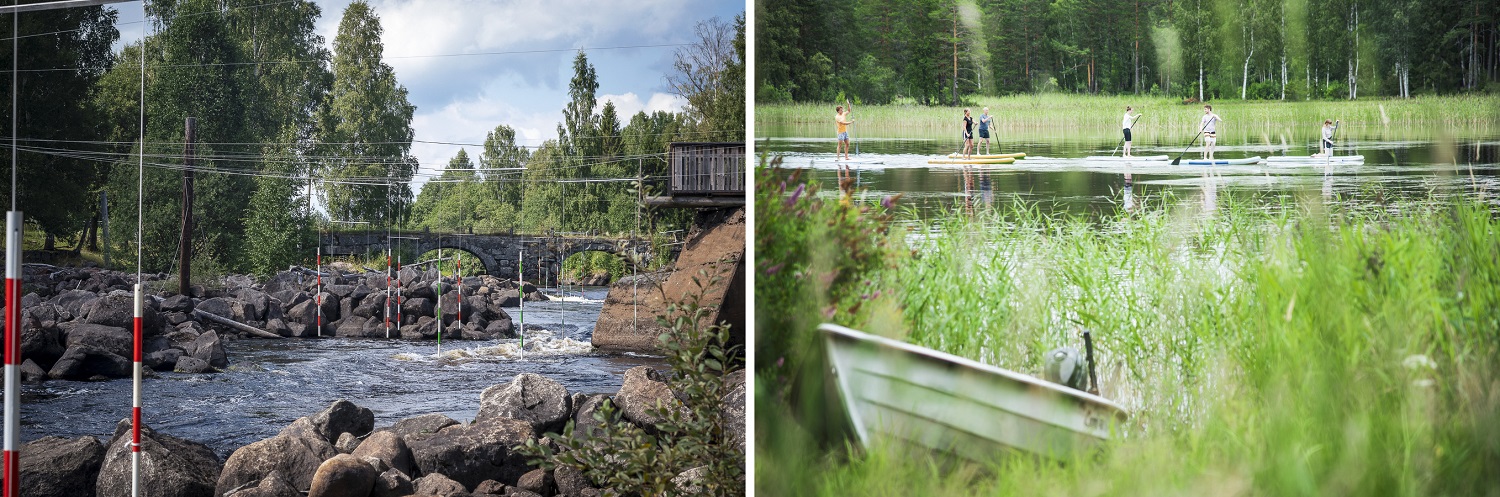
1277,347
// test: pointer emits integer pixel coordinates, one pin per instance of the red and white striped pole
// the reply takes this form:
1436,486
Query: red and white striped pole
398,293
458,272
387,311
12,352
318,301
135,409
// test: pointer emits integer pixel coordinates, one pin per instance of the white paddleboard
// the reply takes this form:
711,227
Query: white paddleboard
1223,162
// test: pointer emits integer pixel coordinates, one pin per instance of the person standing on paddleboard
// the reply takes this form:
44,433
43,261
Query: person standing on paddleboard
842,119
984,129
1210,121
1328,128
968,134
1129,120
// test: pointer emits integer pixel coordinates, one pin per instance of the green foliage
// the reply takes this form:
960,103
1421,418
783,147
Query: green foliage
1246,343
593,263
622,456
279,229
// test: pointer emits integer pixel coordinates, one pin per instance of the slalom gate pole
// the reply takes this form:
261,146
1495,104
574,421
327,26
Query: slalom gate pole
521,292
398,293
319,300
458,274
13,239
437,286
135,409
387,311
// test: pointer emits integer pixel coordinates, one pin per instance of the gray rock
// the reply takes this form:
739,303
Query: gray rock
83,362
417,306
570,481
343,475
256,303
46,344
342,417
297,458
641,392
73,301
529,397
501,328
426,424
61,467
164,360
490,487
347,443
177,303
351,327
273,485
170,466
438,485
191,365
393,483
225,307
426,328
584,423
390,449
470,454
536,480
116,340
31,372
732,410
208,348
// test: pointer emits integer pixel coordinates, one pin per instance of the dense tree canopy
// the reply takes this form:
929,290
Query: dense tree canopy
930,50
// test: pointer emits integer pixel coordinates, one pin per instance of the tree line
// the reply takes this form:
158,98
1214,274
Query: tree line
280,114
937,51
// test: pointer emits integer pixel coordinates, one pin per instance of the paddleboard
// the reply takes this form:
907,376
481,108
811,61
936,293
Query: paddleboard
1002,160
1138,158
857,160
1223,162
1016,155
1310,160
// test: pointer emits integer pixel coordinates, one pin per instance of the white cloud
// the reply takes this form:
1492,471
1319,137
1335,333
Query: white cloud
628,104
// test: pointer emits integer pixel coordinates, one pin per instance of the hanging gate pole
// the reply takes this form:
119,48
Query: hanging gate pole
12,352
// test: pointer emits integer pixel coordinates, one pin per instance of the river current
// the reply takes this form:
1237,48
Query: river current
271,383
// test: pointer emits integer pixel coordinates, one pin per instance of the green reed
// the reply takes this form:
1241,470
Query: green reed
1301,349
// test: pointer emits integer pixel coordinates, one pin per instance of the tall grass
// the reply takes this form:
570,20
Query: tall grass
1301,350
1057,111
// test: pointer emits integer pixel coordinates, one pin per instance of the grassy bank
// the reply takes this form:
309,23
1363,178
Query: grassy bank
1058,111
1300,350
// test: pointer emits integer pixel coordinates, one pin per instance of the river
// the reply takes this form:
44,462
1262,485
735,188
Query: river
273,382
1401,163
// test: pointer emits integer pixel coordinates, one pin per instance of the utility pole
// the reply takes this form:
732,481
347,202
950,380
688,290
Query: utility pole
955,54
184,245
104,218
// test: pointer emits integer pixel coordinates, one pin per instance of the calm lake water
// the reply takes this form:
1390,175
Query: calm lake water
1409,164
274,382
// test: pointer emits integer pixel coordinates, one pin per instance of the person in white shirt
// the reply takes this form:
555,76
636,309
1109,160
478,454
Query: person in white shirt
1210,119
1327,149
1126,123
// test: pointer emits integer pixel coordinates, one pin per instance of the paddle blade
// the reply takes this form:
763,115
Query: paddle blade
1177,161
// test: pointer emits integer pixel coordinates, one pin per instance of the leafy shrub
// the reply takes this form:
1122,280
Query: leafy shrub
625,457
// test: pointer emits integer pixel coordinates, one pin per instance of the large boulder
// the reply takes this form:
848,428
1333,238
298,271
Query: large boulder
81,362
61,467
118,309
257,303
529,397
423,425
210,349
164,360
390,449
439,485
585,406
570,481
351,327
393,483
343,475
273,485
177,303
225,307
426,328
296,458
732,410
469,454
418,307
191,365
342,417
73,300
45,344
642,392
170,466
537,480
116,340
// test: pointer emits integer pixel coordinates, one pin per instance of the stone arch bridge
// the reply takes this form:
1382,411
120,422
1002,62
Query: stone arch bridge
499,253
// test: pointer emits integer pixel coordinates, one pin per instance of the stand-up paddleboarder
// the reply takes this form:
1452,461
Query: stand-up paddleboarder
1127,123
1210,120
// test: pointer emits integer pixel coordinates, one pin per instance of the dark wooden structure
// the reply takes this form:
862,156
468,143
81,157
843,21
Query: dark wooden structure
705,175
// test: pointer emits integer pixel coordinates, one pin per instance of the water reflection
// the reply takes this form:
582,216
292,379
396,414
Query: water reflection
977,188
1129,191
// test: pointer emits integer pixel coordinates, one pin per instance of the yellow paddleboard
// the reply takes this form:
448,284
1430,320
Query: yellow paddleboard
998,160
1016,155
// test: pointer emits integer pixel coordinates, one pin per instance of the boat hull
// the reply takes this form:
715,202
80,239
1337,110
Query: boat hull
899,394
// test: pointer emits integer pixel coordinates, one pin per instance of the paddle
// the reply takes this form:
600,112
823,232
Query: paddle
1122,138
1088,343
1178,160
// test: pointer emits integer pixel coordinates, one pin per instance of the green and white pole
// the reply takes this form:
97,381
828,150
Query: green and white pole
521,292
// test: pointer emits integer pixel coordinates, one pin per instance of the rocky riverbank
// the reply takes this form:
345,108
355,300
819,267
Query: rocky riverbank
77,323
339,451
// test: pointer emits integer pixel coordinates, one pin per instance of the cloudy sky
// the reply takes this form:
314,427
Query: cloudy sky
461,98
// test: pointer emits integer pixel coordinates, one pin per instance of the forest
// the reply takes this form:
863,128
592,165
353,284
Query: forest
296,134
936,52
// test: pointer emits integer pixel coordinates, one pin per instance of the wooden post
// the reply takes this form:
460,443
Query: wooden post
184,245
